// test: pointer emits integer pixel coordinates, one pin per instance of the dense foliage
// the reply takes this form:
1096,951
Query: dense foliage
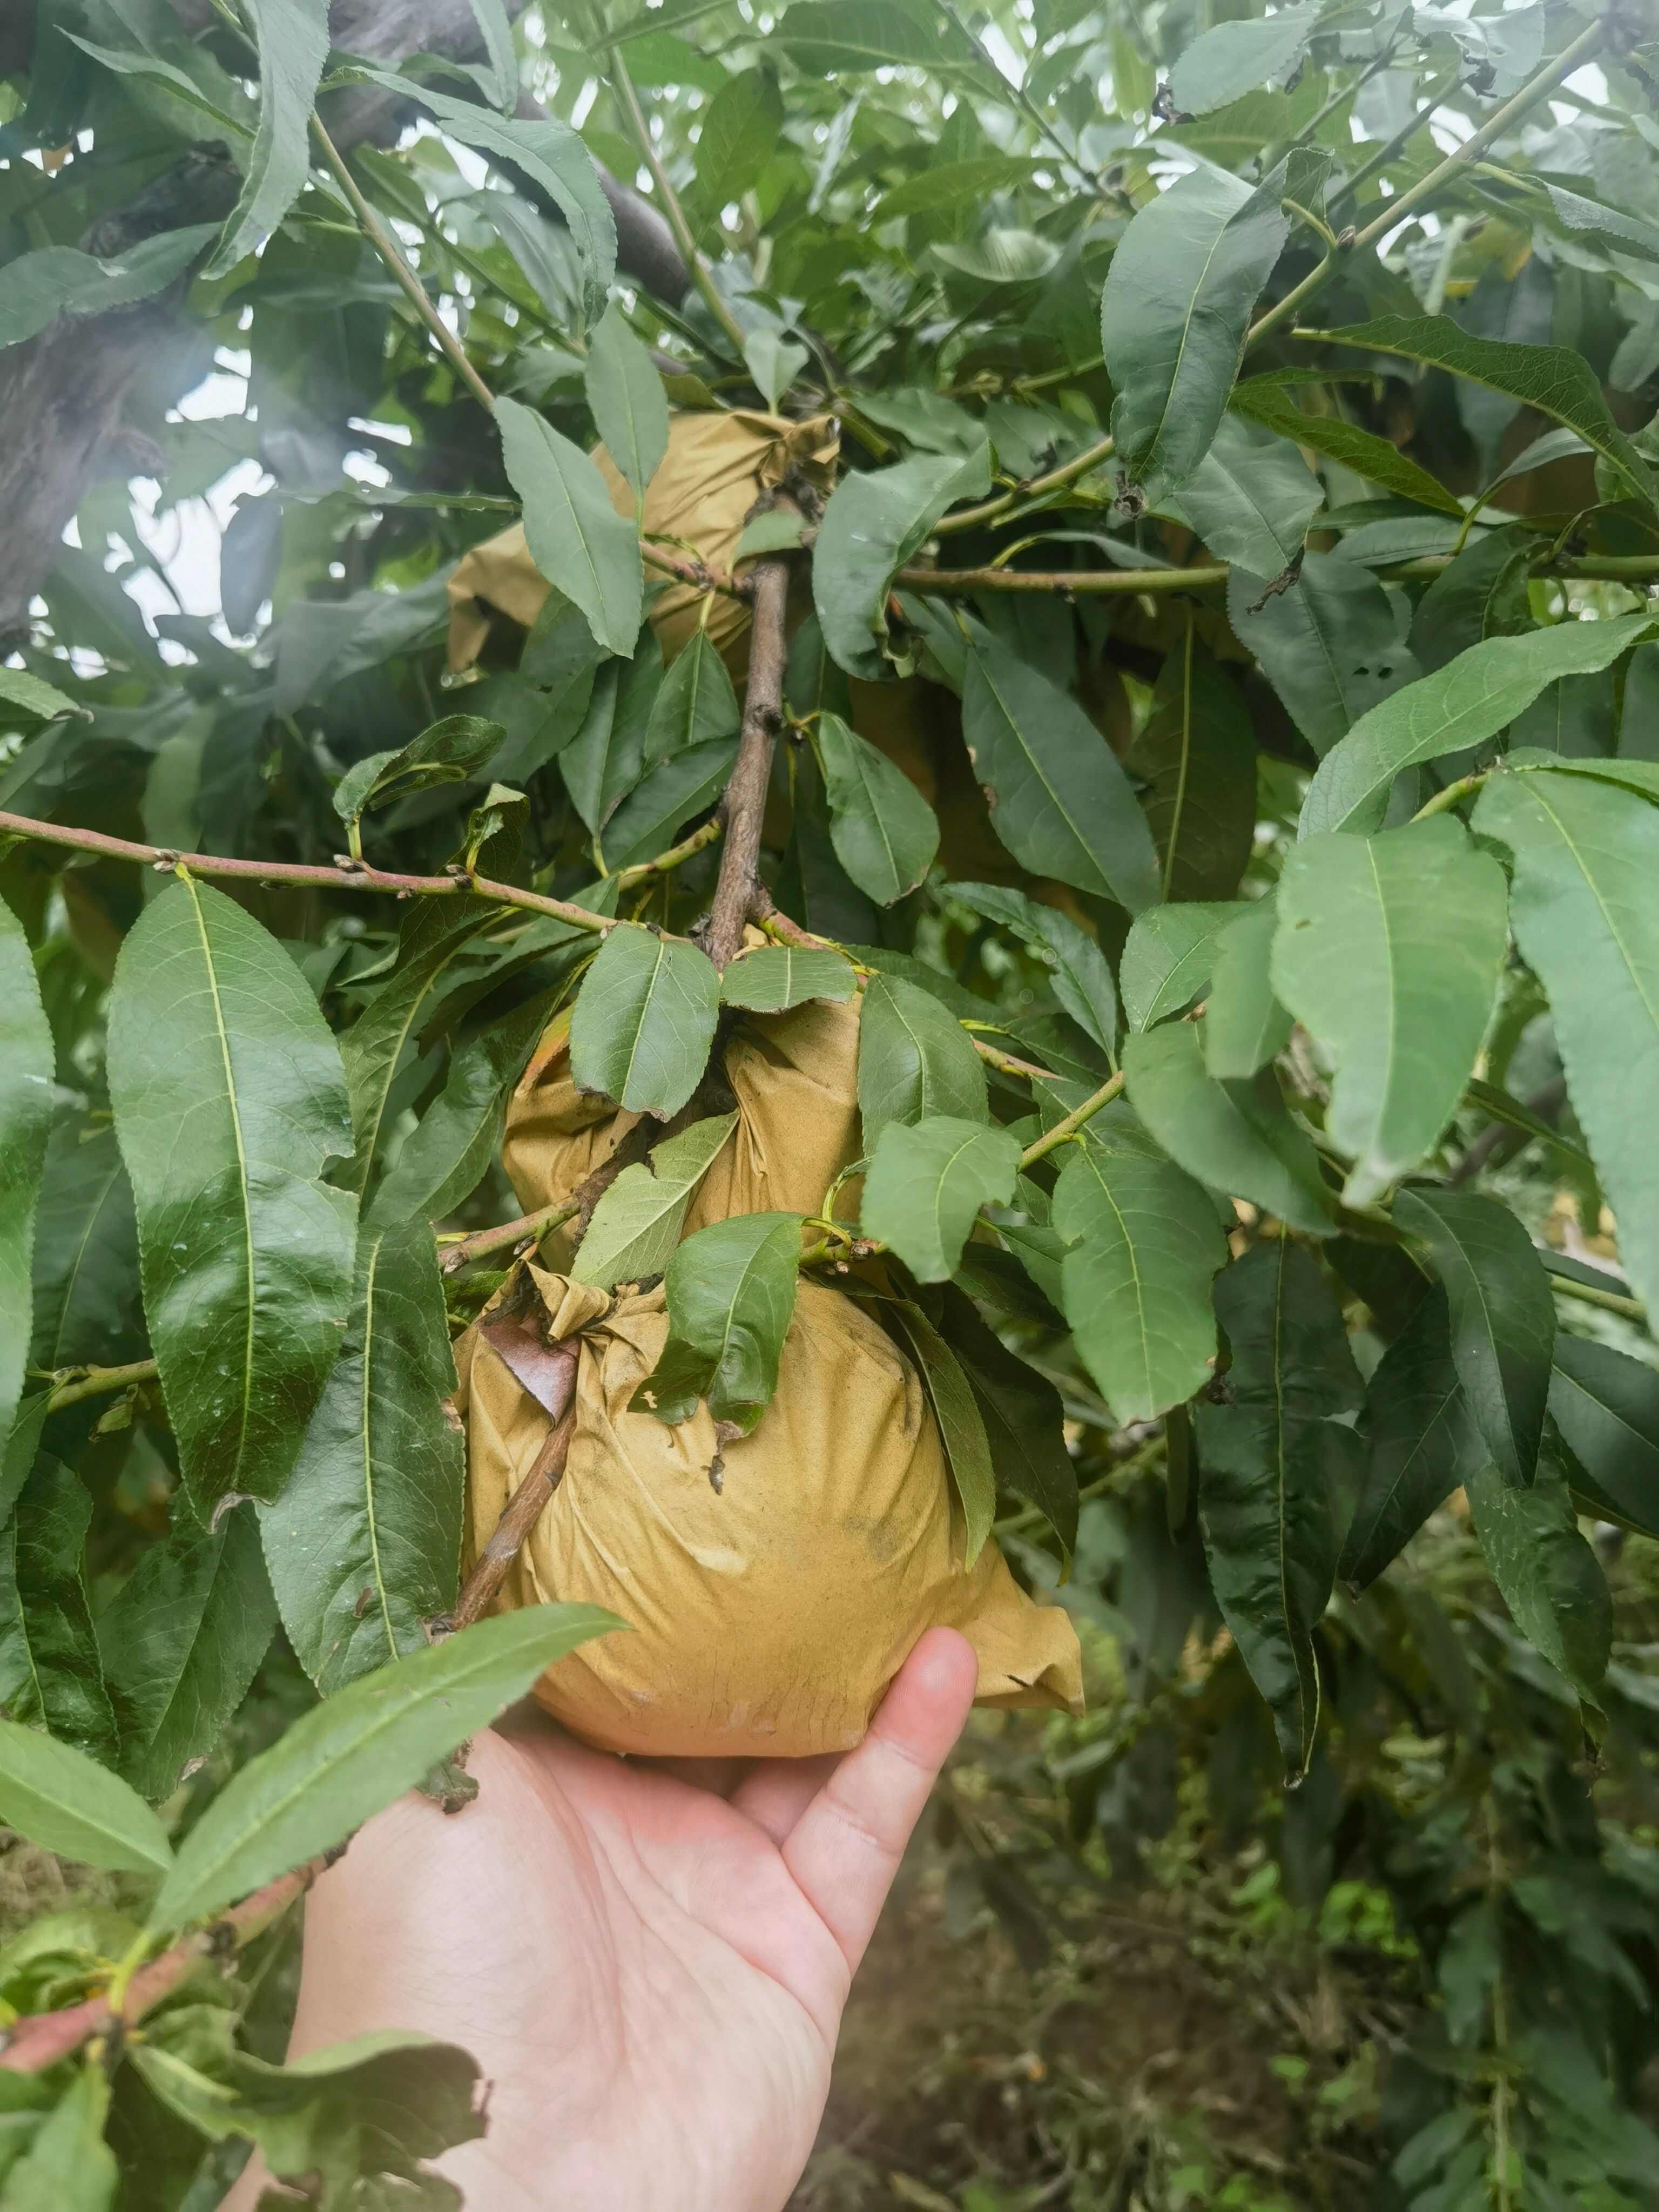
1219,742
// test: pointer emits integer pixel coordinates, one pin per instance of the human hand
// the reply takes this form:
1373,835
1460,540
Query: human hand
651,1975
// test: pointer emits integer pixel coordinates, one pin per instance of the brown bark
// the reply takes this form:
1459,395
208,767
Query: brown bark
743,805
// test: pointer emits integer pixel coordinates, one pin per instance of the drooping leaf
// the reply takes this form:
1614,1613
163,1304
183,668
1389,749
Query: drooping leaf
771,978
1389,950
338,1764
1502,1316
885,833
1244,1024
626,399
1470,699
229,1099
637,1222
1168,958
644,1021
49,1670
1328,643
1173,316
1234,58
1263,400
59,1798
1197,756
576,538
731,1298
1586,923
1062,803
925,1184
292,48
1082,980
694,705
1274,1464
1022,1412
27,1060
1420,1442
877,519
1143,1243
450,751
1235,1136
180,1641
60,280
1550,1579
1606,1406
1554,380
364,1544
960,1425
914,1061
1250,499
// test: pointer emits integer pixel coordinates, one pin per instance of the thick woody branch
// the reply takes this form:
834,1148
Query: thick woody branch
548,1372
744,806
44,2039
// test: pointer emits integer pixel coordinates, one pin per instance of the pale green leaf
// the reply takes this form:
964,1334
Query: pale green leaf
1244,1025
636,1223
292,38
769,979
60,280
626,399
1237,1137
877,519
1168,958
27,1060
576,538
68,1803
926,1183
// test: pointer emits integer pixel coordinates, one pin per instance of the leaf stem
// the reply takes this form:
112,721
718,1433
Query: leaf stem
346,874
1590,1295
1055,479
80,1382
1063,1132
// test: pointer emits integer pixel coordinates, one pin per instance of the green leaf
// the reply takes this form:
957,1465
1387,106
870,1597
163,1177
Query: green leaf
1606,1406
1555,380
60,280
1263,400
925,1184
1244,1025
552,157
1082,980
1389,950
1062,803
87,1306
646,822
1420,1442
343,1762
364,1544
694,705
603,759
774,362
1197,756
446,1156
30,695
1173,316
49,1668
1470,699
229,1099
1234,58
644,1021
839,37
68,1803
1168,958
877,520
626,399
583,547
1143,1244
68,2167
772,978
1550,1578
731,1292
915,1061
1274,1464
742,129
1250,499
1482,592
885,833
960,1425
1023,1415
1502,1316
293,40
493,20
637,1222
1236,1136
450,751
180,1642
26,1062
1585,919
1328,643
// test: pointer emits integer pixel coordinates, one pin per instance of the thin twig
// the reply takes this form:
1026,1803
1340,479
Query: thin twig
705,835
518,1517
743,805
1067,583
42,2040
529,1229
98,1382
697,574
1063,1132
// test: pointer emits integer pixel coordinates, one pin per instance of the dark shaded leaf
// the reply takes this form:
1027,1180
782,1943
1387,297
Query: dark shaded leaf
1550,1578
960,1425
1197,754
27,1060
1328,644
885,833
1082,980
49,1671
1606,1406
877,519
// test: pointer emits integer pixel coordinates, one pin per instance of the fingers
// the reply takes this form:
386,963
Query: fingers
844,1850
779,1790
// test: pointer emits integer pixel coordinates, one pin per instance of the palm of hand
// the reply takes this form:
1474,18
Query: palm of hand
650,1975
